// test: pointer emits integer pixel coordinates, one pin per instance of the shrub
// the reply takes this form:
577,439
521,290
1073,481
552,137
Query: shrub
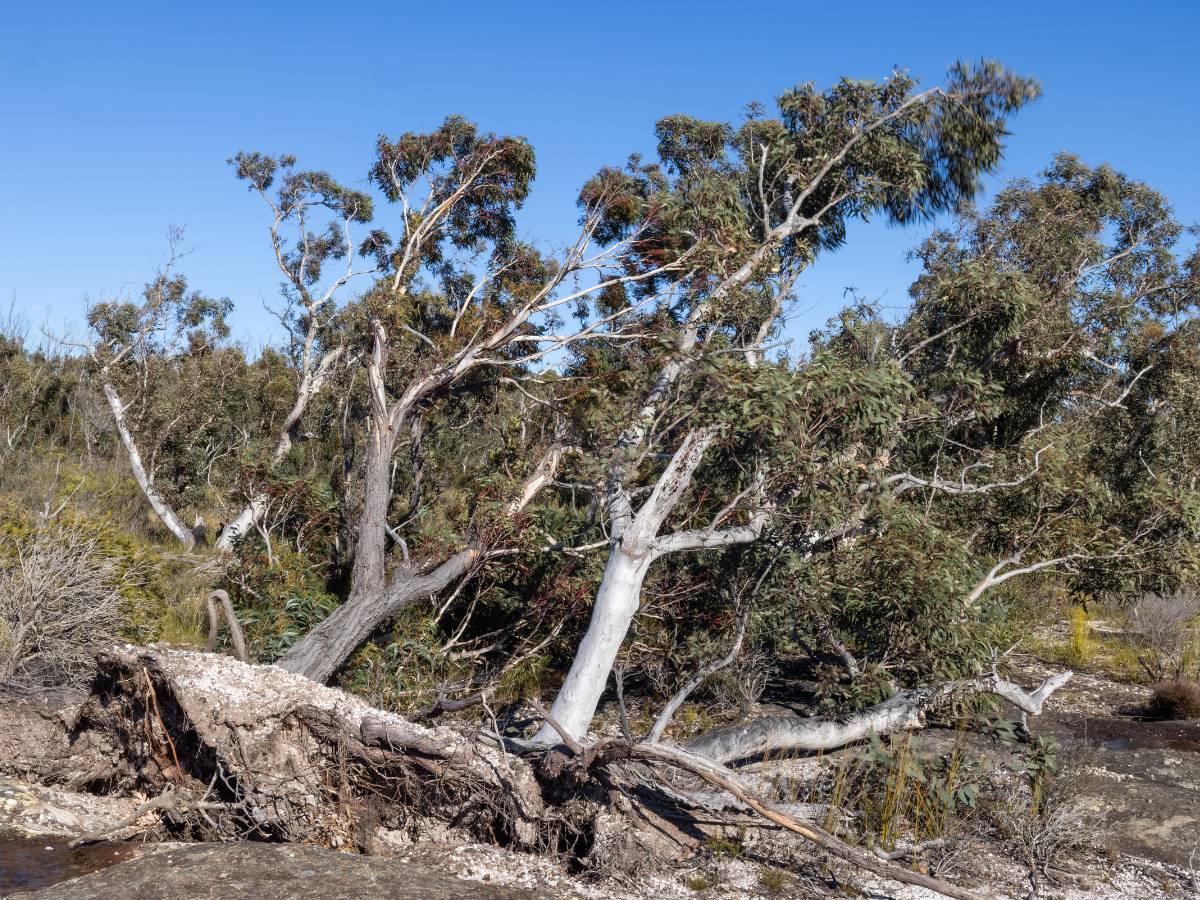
59,599
1175,699
775,881
1165,640
1047,817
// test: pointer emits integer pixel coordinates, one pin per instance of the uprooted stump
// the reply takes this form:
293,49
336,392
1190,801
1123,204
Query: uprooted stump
227,751
254,751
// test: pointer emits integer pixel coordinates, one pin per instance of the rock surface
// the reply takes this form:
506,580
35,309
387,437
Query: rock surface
1141,778
33,809
268,872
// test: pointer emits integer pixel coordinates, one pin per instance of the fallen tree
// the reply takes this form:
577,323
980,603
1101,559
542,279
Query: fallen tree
904,710
230,751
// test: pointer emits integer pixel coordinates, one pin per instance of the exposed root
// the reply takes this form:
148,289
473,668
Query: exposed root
234,751
610,751
169,799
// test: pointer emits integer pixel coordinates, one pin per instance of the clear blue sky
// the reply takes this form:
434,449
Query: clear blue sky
118,117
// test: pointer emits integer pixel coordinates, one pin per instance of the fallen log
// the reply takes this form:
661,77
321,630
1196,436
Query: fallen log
723,778
904,710
610,750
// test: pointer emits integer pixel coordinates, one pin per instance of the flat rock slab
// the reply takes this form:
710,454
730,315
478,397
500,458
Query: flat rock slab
269,872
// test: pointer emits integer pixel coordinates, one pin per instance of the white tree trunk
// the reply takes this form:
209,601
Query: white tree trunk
241,524
310,385
904,710
616,604
161,508
635,545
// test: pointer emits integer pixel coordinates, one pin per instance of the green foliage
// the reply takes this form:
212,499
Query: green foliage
1036,403
161,599
527,679
278,600
900,789
1079,648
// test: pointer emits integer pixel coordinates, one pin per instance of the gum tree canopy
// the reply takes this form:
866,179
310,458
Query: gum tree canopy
604,435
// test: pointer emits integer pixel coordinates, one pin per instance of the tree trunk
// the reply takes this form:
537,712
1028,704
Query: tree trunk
780,734
319,653
635,545
241,524
616,604
161,508
904,710
373,597
310,385
322,651
368,576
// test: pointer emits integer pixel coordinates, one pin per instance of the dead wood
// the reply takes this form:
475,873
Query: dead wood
282,757
904,710
236,636
231,750
607,752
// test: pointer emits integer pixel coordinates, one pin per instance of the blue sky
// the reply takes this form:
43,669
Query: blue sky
118,117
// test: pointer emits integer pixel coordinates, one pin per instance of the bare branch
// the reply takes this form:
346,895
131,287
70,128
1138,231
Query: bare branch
668,712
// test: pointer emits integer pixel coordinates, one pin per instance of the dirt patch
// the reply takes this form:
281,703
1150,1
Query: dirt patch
1141,777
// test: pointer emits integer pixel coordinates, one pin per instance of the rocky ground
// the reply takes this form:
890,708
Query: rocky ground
1140,779
257,871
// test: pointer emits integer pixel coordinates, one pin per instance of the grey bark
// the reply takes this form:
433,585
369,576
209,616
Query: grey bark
902,711
323,650
236,637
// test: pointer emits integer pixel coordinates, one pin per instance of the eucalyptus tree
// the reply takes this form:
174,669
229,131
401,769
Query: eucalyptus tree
31,381
752,207
170,326
134,343
461,296
1038,385
319,213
